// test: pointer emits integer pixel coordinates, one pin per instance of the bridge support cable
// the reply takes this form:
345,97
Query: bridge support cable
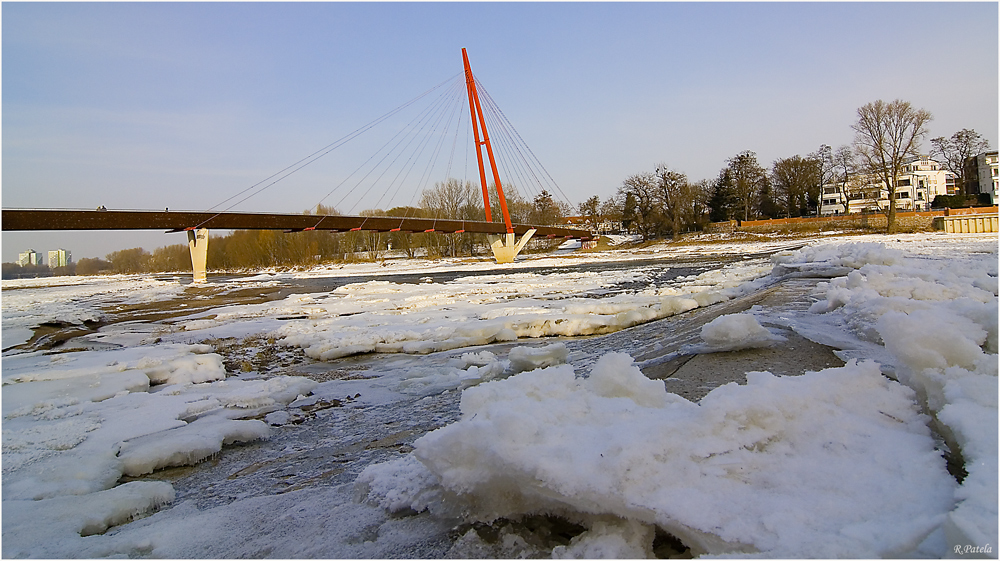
407,135
513,159
513,165
527,156
447,125
519,141
454,115
441,125
260,186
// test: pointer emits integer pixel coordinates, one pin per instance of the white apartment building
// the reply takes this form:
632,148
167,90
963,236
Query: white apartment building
987,164
29,257
59,258
920,180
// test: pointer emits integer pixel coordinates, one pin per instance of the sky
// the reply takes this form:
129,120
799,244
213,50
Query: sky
184,105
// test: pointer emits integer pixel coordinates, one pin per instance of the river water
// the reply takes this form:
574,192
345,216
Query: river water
340,433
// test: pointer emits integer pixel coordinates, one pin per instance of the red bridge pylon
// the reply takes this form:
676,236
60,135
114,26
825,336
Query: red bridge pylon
504,247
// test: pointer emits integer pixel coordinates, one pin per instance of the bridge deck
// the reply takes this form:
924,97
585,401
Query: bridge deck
19,220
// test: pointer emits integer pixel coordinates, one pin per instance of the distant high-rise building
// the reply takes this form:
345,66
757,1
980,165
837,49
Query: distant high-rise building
29,257
59,258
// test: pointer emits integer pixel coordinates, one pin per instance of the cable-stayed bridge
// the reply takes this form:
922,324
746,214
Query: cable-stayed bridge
171,222
501,235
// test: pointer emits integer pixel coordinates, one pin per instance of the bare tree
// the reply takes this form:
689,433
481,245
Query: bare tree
699,209
452,200
612,211
674,195
796,181
518,207
953,153
885,135
844,166
639,193
128,261
373,243
748,178
826,159
827,166
447,200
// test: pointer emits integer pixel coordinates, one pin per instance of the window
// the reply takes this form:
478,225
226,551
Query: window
903,182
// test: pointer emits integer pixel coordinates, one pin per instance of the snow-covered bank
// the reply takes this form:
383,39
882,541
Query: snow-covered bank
839,463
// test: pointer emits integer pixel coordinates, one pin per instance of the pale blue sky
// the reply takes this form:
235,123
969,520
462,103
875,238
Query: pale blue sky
153,105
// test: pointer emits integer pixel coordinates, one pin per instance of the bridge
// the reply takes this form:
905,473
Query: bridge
197,225
501,235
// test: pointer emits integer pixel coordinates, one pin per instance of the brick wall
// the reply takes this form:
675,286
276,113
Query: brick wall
905,222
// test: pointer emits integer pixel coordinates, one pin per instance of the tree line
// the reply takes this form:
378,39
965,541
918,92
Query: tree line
664,202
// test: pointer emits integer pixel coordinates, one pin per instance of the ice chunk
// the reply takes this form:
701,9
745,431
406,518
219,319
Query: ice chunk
36,523
191,369
789,467
187,445
463,372
529,358
734,332
610,539
26,397
615,375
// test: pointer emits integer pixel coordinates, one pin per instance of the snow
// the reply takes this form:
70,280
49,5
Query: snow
845,462
73,300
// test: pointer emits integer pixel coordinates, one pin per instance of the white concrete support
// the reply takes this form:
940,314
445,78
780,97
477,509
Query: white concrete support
198,244
504,248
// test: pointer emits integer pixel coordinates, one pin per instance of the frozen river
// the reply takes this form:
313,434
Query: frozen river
461,409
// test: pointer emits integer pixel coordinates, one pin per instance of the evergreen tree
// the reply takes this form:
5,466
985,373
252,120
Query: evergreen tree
768,207
628,212
723,198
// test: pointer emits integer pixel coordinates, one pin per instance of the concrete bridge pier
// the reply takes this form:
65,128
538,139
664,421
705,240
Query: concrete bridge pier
504,248
198,245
